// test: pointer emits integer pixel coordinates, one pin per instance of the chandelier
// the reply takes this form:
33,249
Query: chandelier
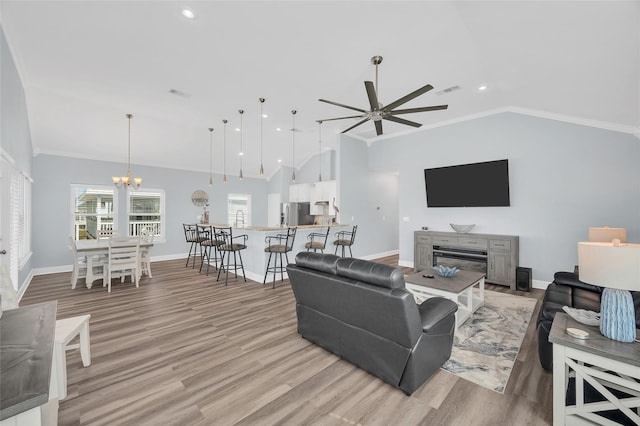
125,181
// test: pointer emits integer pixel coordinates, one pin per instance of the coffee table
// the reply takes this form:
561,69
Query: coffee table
459,288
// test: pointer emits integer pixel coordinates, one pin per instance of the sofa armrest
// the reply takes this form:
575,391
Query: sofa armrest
434,310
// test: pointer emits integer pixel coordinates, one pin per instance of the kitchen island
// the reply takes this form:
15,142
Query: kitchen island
254,257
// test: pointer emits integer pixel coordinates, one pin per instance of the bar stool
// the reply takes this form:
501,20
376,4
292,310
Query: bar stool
278,244
345,239
317,241
225,235
191,236
208,241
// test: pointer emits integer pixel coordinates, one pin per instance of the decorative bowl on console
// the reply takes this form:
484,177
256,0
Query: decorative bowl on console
462,228
445,271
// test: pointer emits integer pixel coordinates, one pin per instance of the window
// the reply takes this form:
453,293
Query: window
20,221
145,209
92,211
239,210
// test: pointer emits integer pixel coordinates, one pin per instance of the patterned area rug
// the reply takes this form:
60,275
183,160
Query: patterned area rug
486,345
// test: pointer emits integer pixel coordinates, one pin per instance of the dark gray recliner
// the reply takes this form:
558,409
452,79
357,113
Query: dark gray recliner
361,311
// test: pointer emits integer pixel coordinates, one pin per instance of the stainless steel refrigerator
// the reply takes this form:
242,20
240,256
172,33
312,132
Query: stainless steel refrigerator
295,214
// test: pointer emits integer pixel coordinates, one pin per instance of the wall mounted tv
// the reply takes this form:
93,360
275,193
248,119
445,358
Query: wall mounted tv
468,185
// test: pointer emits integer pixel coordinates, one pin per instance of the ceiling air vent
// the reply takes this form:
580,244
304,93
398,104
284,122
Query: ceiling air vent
179,93
448,90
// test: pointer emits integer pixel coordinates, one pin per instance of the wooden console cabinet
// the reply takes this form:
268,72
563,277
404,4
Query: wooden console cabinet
501,252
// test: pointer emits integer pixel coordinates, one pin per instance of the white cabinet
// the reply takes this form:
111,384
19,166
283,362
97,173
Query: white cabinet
300,193
322,192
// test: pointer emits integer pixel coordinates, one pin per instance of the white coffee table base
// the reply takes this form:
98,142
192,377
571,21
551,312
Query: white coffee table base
468,300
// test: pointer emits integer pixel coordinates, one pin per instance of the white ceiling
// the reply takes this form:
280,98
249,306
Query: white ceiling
84,65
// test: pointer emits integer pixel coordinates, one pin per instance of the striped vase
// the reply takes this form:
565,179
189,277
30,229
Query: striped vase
617,315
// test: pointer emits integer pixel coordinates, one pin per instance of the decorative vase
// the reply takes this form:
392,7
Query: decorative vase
617,315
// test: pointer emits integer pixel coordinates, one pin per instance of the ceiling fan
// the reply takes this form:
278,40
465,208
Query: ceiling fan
379,112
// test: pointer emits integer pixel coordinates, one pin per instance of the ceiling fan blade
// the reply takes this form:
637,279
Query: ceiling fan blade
342,118
342,105
407,98
373,97
402,121
356,125
412,110
378,124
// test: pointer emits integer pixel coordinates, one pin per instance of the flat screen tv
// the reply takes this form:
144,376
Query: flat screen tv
468,185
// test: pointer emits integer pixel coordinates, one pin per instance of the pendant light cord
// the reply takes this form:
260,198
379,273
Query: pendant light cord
261,135
129,116
224,152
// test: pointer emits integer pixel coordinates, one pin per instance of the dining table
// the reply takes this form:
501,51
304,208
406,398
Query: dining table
91,248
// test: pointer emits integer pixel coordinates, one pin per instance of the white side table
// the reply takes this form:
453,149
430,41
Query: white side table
603,363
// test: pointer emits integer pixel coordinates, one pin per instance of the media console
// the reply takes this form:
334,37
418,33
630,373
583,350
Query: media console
495,255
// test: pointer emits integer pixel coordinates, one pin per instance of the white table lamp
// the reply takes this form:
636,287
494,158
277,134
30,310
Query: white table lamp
617,269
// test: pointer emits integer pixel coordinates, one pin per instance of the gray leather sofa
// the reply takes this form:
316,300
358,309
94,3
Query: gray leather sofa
361,311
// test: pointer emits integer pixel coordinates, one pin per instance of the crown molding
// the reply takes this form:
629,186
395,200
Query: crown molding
605,125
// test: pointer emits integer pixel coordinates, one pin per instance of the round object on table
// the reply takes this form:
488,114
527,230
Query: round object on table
577,333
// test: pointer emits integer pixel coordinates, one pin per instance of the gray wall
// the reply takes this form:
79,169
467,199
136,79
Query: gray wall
367,198
308,172
51,194
564,178
15,136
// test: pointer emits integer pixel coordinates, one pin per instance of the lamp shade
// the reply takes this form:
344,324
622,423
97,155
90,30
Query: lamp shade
606,265
607,235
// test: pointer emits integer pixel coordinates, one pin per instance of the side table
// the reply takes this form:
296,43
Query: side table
603,363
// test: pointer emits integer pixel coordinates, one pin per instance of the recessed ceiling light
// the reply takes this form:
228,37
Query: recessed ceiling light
482,88
264,116
278,129
237,129
279,160
188,13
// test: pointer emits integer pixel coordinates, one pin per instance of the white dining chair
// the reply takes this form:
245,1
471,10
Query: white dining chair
80,264
123,260
145,252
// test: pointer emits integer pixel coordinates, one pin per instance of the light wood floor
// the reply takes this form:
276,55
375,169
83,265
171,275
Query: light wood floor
185,350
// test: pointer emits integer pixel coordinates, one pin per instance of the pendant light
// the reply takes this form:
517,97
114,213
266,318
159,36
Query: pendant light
241,111
224,153
261,117
320,149
125,181
210,155
293,145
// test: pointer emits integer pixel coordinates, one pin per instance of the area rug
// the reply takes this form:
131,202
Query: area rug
486,345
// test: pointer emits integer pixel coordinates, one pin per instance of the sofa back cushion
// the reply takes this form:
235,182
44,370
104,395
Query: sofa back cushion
317,261
377,274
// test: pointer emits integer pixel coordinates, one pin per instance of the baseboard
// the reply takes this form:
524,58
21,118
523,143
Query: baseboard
52,270
379,255
69,268
542,285
25,285
405,263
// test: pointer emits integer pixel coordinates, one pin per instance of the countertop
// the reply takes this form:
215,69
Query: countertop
273,228
281,228
26,348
